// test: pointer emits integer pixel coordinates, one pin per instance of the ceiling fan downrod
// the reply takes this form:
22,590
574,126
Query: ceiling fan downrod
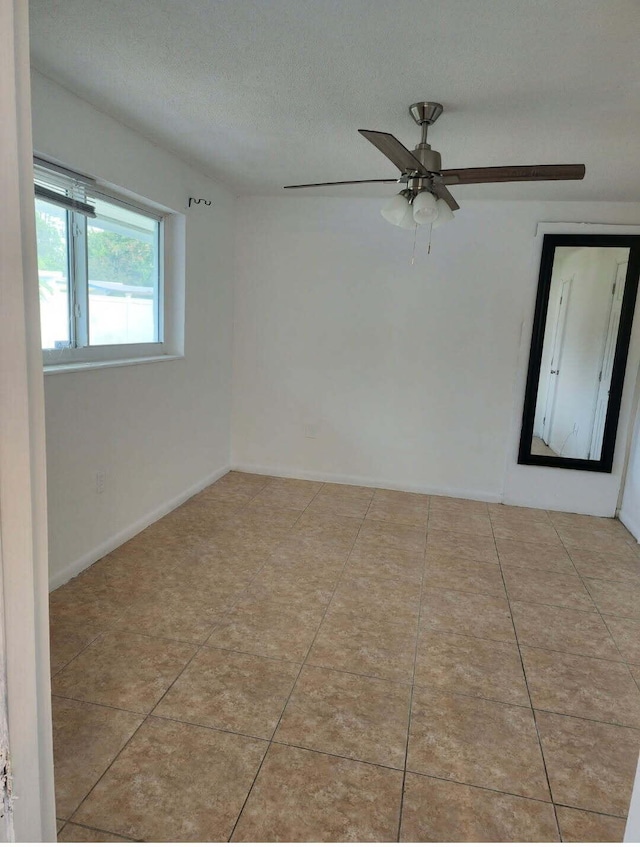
425,114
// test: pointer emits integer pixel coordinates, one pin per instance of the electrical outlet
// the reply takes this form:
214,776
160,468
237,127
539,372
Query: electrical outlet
101,479
310,430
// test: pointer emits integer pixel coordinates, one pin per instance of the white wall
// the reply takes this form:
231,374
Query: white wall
158,430
411,375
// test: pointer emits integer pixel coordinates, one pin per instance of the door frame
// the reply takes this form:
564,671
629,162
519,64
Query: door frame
23,514
608,345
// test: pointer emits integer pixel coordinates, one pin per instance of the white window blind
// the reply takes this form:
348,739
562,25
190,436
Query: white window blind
63,187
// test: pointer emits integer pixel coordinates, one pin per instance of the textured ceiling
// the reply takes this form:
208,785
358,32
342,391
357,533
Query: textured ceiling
261,93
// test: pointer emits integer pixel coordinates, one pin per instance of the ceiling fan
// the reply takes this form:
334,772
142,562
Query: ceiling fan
426,199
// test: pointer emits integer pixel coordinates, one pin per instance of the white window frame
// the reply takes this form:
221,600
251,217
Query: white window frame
170,311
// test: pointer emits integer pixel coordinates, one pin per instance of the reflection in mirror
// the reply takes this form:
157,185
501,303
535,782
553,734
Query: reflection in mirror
583,316
582,327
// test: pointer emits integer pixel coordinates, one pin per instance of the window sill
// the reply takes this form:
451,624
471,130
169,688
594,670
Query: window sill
71,367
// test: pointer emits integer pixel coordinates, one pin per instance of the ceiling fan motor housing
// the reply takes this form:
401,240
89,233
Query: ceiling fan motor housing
429,158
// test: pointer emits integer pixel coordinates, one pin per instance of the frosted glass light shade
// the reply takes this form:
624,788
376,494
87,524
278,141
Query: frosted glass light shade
444,213
396,209
407,221
424,208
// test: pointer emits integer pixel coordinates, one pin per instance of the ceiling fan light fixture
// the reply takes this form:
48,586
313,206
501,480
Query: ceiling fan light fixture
444,213
425,209
397,208
408,221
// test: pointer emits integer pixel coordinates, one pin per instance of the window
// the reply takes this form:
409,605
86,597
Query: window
100,270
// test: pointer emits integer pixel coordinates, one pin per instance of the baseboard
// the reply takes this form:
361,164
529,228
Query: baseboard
74,568
366,482
632,523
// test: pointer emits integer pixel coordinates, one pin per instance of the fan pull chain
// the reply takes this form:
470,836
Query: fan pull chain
415,235
429,247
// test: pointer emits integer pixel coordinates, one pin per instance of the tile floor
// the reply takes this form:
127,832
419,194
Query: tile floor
282,660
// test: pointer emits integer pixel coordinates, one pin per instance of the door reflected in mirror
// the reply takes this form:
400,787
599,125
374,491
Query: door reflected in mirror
586,297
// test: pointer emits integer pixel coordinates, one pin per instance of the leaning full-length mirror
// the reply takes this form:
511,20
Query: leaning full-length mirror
582,326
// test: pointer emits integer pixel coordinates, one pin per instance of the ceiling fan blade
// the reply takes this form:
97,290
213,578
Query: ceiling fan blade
443,193
396,152
512,173
348,182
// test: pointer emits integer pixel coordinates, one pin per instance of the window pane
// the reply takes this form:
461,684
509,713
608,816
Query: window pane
53,274
123,265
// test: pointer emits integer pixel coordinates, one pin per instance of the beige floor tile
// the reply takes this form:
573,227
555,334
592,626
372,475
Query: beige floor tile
239,482
208,579
95,609
497,510
82,834
471,523
438,811
301,590
366,598
189,616
566,630
348,715
590,539
175,782
554,589
267,571
66,641
615,598
463,575
335,530
538,557
472,666
288,494
228,500
126,572
197,519
86,739
352,502
267,519
224,552
591,765
480,742
457,504
231,691
589,827
374,560
478,548
598,565
268,628
59,824
399,507
247,543
583,687
626,634
123,670
301,555
604,526
390,535
379,647
305,796
525,530
477,615
588,522
400,499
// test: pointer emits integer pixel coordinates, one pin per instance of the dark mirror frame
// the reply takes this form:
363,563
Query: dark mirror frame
550,242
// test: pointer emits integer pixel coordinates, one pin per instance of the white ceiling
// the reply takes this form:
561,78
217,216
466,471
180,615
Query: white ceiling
262,93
